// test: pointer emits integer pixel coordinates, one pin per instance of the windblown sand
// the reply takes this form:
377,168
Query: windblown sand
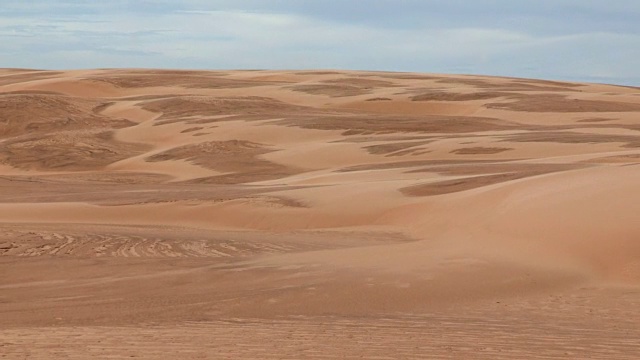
329,214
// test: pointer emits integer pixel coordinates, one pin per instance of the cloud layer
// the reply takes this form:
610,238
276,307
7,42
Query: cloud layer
557,39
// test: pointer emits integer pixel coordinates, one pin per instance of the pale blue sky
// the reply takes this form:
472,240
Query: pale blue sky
588,40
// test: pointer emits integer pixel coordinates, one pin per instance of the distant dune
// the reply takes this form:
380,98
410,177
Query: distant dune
168,214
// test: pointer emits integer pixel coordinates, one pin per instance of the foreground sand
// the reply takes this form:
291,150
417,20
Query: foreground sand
272,214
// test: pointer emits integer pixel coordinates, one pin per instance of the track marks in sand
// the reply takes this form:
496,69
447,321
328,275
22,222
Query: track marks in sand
399,337
105,244
88,241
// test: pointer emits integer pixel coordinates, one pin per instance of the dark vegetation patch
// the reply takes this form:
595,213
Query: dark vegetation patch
72,150
566,137
447,96
480,150
239,158
457,185
594,120
318,73
169,72
191,129
480,175
109,188
360,82
616,159
347,86
394,149
184,108
32,92
401,76
27,76
530,102
490,167
30,114
413,164
519,85
102,107
149,97
330,90
379,99
561,104
187,79
356,124
396,138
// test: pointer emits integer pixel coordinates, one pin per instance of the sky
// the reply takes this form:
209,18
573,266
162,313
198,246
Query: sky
580,40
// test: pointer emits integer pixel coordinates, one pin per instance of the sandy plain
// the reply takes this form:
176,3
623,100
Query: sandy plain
166,214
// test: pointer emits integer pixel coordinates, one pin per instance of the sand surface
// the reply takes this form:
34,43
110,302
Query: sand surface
165,214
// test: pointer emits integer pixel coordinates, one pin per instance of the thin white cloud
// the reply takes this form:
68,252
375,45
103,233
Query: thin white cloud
216,34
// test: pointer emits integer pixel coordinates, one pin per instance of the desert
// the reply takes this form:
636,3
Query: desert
174,214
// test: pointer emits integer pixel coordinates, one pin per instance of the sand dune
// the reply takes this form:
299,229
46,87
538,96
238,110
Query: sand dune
317,214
